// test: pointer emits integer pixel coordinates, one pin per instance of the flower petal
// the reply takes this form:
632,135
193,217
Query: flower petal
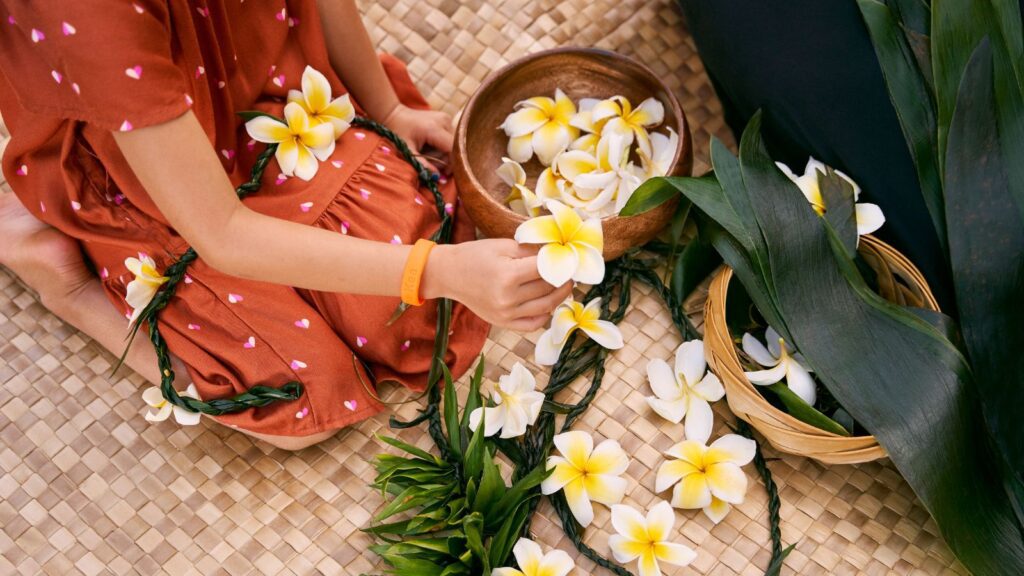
660,519
316,89
589,264
524,121
692,492
624,549
564,109
676,554
579,502
605,488
287,156
589,232
800,381
608,458
306,165
574,163
689,451
539,230
629,523
516,421
604,333
731,448
153,397
520,148
186,417
671,472
548,348
717,510
575,446
690,362
557,263
506,572
672,410
161,414
766,377
648,564
296,118
563,319
869,218
511,172
663,380
564,472
139,294
650,112
340,108
605,109
556,563
267,130
727,482
771,337
528,555
700,419
319,136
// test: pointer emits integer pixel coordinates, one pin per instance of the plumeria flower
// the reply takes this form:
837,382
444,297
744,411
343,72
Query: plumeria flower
585,473
300,143
869,216
646,540
315,99
780,364
517,404
598,179
521,198
540,126
707,477
663,151
572,246
533,562
143,288
584,120
687,391
619,116
566,319
163,409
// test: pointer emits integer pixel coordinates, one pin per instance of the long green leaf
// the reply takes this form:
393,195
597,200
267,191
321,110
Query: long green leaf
451,414
695,263
801,410
987,255
648,196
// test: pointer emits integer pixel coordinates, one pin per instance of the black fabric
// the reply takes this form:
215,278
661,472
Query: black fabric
810,65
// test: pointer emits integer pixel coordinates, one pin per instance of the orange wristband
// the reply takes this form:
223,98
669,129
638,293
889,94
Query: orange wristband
413,272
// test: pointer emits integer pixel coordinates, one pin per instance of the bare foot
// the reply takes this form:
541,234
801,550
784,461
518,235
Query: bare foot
43,257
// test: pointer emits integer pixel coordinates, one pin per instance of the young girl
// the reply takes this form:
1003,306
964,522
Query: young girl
125,138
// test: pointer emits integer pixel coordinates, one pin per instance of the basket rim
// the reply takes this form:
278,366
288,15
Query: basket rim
718,353
680,160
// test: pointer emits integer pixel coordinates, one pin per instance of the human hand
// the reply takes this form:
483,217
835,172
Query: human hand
421,129
497,279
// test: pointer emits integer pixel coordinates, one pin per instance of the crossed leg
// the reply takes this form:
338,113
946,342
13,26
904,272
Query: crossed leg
51,263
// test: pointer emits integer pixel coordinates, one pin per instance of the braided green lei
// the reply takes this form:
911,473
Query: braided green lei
262,395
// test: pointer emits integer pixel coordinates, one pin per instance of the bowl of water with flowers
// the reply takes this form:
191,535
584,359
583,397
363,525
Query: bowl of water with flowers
579,127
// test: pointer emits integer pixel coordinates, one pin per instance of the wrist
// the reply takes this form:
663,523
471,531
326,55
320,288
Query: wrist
437,273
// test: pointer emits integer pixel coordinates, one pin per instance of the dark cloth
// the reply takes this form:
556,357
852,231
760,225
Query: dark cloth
810,65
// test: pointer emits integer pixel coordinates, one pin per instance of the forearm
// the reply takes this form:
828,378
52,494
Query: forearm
354,58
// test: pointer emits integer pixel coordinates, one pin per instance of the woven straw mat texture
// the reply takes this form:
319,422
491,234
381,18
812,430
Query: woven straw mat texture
88,486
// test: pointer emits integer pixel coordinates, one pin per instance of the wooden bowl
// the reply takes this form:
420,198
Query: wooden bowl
783,431
580,73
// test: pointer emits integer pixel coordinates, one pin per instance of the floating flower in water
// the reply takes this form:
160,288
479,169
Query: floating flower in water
143,288
586,473
533,562
780,364
300,143
646,540
687,391
540,126
617,115
521,198
315,99
572,246
663,152
566,319
163,409
869,216
707,477
598,179
517,404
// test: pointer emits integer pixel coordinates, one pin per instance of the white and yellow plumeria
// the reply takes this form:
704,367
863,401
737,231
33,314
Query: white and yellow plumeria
566,319
517,404
143,288
707,477
617,115
533,562
315,99
599,182
687,391
520,198
869,216
162,409
663,150
779,364
585,473
572,246
300,142
647,539
541,126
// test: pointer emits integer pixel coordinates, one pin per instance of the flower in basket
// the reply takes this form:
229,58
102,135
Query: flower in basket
658,162
143,288
517,404
572,246
686,391
601,179
533,562
520,198
540,125
315,100
566,319
646,539
707,477
585,473
869,216
162,409
301,143
779,364
617,115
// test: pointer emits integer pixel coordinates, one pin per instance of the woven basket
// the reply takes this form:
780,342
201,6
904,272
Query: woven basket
784,431
580,73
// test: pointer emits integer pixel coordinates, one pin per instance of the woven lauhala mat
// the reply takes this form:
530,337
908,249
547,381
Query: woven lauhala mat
88,486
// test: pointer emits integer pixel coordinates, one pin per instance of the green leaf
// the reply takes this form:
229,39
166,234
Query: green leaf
474,527
247,115
695,263
837,194
409,448
491,486
520,491
508,534
986,242
912,99
473,401
451,414
651,194
476,451
797,408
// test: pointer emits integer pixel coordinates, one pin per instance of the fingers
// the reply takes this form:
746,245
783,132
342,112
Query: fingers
441,138
534,289
544,305
528,324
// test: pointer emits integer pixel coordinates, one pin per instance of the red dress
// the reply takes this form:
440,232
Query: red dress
75,71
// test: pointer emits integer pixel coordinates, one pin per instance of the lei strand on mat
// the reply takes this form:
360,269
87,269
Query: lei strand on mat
263,395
